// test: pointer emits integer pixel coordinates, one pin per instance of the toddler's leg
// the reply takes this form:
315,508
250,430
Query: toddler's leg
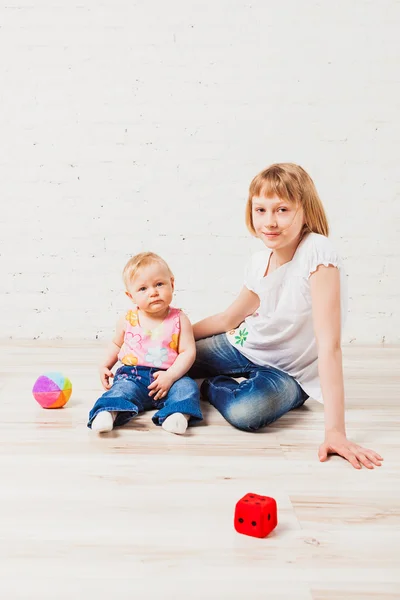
104,421
181,406
176,423
117,405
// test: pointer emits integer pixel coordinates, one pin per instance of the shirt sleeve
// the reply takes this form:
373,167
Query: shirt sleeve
322,252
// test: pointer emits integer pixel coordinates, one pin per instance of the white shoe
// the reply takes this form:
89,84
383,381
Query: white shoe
103,422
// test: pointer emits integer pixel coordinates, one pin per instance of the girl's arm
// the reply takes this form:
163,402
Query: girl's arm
186,357
111,354
325,294
245,304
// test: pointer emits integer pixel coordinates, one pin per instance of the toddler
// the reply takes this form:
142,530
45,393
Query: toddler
155,344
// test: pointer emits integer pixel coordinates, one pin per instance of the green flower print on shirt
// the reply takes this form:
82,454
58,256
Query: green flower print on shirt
242,337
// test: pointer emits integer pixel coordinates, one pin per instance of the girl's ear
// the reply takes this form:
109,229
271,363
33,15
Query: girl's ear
129,295
173,283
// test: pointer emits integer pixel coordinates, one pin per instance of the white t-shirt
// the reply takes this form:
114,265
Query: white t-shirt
281,334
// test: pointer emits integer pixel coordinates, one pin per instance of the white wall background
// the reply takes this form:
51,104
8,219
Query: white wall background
127,126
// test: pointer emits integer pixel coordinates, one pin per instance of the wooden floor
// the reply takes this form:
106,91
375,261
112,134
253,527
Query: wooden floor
143,514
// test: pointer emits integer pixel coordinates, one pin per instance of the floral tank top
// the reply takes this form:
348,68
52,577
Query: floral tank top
157,347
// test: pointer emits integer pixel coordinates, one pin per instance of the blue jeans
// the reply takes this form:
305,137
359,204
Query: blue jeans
263,397
129,396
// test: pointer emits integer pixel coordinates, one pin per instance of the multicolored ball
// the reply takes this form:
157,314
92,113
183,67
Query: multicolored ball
52,390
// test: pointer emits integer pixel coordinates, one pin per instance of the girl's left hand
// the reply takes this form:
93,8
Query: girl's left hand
337,443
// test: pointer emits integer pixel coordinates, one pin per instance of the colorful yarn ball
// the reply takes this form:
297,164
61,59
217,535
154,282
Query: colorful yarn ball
52,390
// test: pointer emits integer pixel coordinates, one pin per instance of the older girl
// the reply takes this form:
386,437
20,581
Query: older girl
283,332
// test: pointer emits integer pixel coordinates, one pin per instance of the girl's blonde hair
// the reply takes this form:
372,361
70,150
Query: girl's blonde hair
139,261
290,182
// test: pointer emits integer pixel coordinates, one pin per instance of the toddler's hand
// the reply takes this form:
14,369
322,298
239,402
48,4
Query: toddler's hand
161,384
105,375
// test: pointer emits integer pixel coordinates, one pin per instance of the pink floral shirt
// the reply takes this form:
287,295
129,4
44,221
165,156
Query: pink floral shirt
157,347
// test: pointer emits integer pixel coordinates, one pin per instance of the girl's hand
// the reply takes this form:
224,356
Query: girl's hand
161,384
337,443
105,376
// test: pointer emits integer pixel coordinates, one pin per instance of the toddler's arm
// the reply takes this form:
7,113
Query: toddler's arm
245,304
186,351
111,354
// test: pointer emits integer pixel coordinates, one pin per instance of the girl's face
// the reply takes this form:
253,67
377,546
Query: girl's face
278,223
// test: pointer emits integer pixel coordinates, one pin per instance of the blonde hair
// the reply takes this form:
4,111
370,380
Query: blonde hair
290,182
139,261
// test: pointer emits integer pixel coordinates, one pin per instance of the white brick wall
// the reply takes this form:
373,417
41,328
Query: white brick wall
139,125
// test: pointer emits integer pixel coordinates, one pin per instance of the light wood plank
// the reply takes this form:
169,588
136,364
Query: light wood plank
142,513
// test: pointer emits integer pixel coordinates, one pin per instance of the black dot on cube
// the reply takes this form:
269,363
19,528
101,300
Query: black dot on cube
257,503
251,496
253,523
246,500
241,520
269,517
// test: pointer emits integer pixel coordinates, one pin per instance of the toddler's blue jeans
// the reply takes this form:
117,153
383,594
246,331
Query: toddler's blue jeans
129,396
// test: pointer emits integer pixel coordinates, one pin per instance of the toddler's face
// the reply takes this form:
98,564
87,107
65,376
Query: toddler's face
277,222
152,288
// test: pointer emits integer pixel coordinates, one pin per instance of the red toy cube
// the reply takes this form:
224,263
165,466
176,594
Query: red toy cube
256,515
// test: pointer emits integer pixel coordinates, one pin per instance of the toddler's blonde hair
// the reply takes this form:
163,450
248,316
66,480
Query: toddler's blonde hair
138,262
290,182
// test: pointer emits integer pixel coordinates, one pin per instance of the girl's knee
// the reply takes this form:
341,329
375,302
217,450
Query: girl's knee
243,417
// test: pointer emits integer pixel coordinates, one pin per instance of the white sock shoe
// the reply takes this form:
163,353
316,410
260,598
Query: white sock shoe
103,422
176,423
